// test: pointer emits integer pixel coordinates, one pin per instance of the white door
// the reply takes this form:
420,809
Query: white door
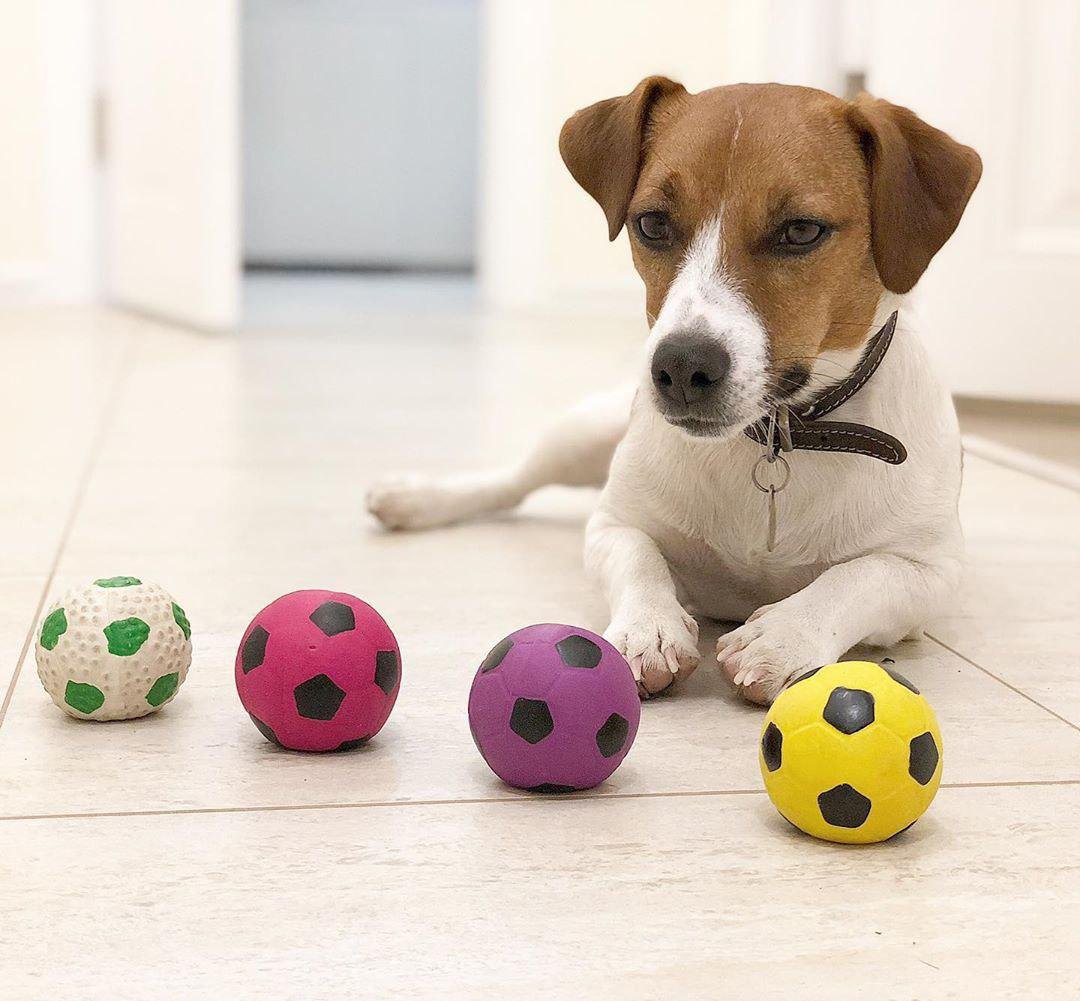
999,302
172,221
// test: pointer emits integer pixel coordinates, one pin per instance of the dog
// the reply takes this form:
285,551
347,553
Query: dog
778,231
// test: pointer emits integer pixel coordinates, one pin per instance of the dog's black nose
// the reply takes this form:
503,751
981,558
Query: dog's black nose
689,367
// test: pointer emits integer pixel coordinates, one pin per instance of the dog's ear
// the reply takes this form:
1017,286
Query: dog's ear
920,182
603,145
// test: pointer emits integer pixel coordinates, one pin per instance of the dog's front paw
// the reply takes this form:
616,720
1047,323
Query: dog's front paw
774,646
403,502
659,645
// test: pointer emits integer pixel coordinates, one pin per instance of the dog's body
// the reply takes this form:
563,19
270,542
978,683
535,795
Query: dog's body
741,323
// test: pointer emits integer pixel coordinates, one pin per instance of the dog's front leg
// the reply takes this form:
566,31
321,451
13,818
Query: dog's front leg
648,625
877,599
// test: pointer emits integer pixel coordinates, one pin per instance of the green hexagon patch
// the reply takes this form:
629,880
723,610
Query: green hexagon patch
54,626
85,698
163,689
181,620
125,636
117,581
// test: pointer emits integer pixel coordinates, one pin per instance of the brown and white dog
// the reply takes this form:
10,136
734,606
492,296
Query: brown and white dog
775,229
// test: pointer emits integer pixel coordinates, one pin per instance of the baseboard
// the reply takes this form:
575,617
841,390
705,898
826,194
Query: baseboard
1023,410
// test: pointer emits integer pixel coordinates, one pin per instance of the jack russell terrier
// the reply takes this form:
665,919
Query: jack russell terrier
788,459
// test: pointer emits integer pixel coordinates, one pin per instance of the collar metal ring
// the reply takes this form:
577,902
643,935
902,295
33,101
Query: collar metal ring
778,460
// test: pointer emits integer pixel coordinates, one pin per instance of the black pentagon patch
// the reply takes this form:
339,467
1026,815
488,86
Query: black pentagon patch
900,679
254,649
551,787
849,710
611,737
576,651
265,731
531,720
332,617
843,806
803,677
772,741
496,654
386,670
923,758
352,745
318,698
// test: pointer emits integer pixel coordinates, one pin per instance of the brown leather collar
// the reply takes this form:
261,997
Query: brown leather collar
804,429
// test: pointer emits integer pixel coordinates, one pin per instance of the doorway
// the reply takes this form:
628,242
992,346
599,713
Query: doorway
359,124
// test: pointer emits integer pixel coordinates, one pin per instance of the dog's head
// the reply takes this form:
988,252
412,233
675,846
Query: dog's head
766,222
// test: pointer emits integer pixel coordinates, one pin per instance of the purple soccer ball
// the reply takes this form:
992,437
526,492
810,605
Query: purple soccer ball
553,708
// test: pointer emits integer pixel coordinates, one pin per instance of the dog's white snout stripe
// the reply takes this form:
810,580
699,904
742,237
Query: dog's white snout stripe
703,299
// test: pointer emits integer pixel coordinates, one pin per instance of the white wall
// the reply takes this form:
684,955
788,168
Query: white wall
23,235
359,126
999,301
47,172
543,240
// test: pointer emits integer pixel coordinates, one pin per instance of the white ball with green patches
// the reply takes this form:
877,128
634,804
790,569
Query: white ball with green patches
114,649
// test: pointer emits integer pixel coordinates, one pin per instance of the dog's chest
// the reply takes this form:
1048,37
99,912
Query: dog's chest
716,543
712,524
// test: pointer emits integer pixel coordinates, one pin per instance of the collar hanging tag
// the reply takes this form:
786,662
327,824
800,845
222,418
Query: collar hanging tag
770,535
771,472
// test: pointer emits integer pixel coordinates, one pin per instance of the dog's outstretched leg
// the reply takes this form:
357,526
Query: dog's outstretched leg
575,452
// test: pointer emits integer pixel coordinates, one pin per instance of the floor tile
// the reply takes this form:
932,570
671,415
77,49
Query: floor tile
431,392
1012,517
59,369
202,752
19,598
696,897
1019,613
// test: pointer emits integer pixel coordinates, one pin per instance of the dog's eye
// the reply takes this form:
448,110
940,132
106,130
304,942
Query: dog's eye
655,227
801,234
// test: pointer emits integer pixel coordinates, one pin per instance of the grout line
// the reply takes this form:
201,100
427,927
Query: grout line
1034,466
1001,681
108,410
474,801
381,803
1018,784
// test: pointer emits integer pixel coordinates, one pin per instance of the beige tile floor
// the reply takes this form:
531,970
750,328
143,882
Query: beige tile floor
181,855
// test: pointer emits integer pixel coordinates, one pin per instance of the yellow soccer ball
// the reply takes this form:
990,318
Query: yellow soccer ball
851,752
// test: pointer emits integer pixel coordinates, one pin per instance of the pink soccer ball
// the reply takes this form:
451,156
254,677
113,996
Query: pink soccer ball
554,708
318,671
